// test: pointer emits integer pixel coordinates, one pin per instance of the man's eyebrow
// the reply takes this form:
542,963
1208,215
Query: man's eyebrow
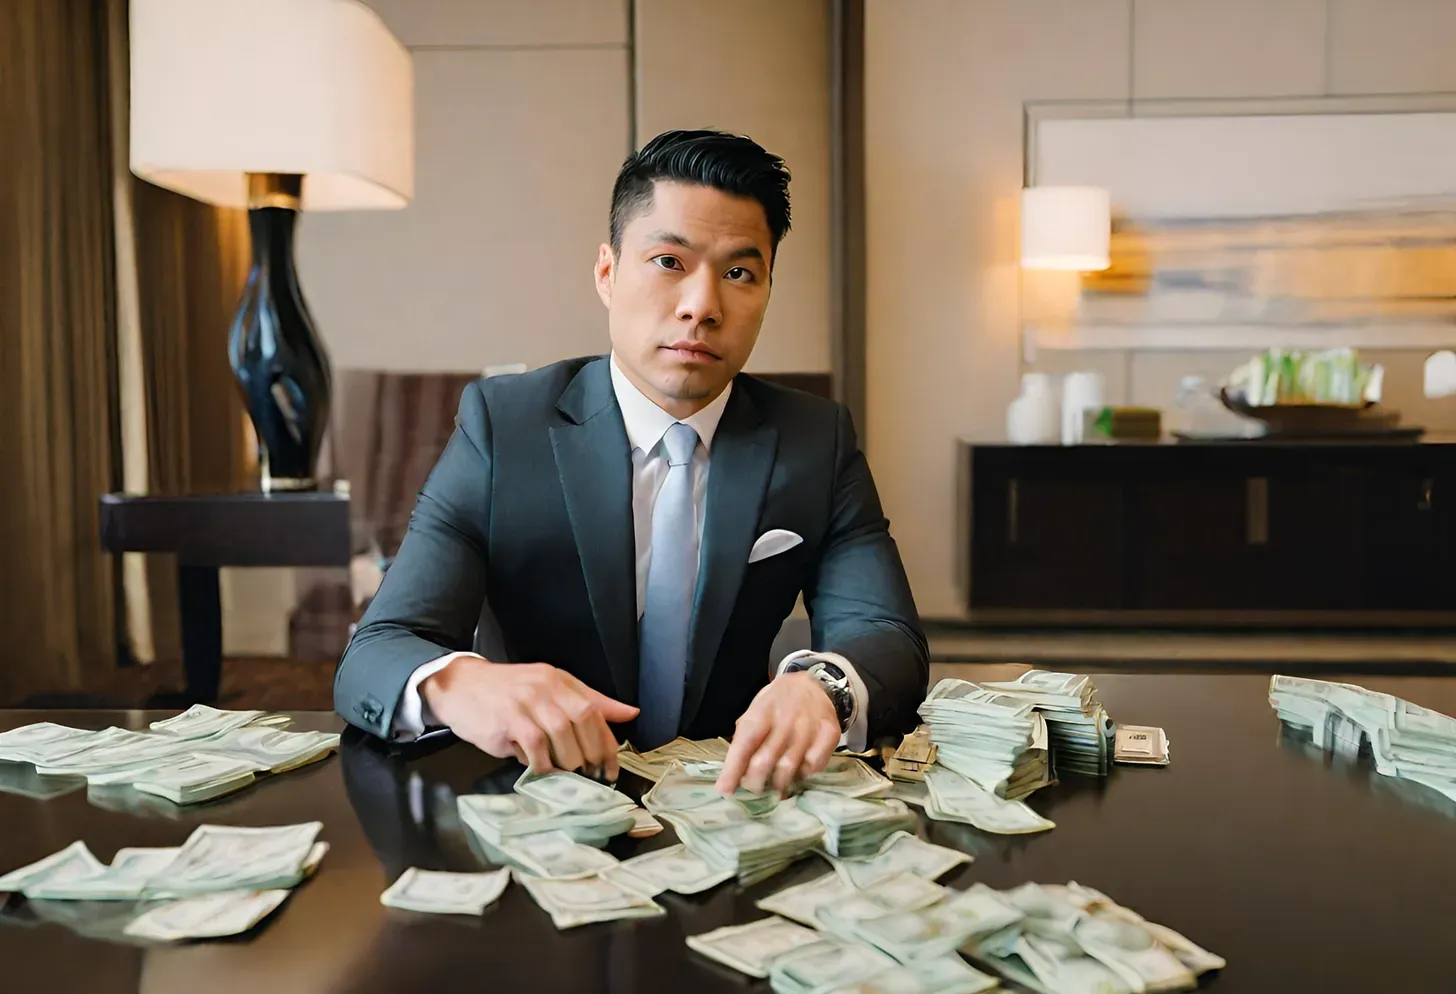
672,238
747,252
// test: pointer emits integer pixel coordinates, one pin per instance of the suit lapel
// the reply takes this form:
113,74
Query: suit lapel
594,461
739,469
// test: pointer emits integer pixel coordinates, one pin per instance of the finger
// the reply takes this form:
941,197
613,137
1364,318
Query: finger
533,742
761,766
609,708
558,726
747,737
826,737
788,764
589,727
610,768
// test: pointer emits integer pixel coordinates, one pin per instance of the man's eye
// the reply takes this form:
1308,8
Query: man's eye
668,262
740,274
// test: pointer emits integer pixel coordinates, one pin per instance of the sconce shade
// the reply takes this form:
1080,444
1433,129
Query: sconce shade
1065,227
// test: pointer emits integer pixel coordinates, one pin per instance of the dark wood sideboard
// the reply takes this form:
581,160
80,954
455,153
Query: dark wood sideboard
1281,531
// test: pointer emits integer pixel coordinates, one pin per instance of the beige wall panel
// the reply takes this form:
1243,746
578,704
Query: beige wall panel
945,87
505,22
516,154
1391,46
759,68
1228,48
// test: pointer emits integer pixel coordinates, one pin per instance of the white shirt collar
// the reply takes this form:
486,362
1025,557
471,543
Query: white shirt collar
647,423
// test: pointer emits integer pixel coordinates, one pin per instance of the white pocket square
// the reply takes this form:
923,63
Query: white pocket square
772,542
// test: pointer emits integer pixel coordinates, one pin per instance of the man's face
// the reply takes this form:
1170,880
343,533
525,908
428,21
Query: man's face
687,293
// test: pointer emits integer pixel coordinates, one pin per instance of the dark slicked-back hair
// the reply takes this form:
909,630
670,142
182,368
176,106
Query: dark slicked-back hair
730,163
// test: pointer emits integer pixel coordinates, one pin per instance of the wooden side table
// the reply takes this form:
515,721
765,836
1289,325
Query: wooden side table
209,531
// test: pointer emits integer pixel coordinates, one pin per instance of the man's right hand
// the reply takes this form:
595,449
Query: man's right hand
543,716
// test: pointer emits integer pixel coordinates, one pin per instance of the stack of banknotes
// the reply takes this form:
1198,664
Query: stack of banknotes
751,835
221,881
198,755
1405,740
1078,729
996,740
883,924
1073,938
548,832
652,765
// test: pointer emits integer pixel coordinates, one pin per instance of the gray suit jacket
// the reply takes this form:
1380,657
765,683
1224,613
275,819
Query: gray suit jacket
527,519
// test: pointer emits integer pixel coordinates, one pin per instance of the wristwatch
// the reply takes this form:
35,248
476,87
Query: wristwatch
835,683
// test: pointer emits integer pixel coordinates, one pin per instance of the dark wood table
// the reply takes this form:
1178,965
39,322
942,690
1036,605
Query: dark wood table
209,531
1306,875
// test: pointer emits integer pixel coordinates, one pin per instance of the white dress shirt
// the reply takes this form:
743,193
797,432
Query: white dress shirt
646,424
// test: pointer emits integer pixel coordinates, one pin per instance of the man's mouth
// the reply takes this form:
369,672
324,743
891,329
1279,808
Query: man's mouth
692,352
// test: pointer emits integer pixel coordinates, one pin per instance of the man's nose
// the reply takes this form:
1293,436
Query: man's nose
699,301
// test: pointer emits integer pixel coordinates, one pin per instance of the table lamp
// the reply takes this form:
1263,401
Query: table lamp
279,106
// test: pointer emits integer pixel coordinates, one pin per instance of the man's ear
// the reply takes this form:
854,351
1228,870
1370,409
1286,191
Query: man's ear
605,272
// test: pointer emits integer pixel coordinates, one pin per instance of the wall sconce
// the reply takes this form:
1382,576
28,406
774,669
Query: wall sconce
1065,228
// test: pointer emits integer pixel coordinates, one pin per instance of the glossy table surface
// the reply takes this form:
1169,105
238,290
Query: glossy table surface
1306,873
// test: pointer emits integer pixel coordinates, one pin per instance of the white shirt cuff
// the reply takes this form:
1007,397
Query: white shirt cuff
413,718
854,736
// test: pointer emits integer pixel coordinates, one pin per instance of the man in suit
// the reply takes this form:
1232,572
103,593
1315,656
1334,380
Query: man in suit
634,528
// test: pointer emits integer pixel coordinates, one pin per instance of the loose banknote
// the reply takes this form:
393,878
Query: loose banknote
587,899
440,893
900,853
207,916
675,868
753,947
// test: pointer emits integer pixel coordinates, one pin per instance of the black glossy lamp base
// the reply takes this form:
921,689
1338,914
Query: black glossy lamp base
279,362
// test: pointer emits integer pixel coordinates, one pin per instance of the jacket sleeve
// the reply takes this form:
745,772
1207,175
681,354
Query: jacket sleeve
859,599
434,592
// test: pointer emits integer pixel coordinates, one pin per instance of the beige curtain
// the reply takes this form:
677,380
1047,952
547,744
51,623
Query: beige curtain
114,303
58,432
181,267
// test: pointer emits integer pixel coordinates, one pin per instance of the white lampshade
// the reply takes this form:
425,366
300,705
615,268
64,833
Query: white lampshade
1065,227
223,88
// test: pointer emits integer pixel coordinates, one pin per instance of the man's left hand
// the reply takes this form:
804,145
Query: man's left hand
790,730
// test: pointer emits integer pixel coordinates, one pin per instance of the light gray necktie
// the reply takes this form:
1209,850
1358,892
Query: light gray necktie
672,575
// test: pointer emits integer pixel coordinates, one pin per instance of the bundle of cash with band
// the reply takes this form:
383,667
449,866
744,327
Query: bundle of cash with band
1405,740
1078,729
913,757
997,740
1141,745
653,764
437,892
551,823
198,755
1072,938
856,826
